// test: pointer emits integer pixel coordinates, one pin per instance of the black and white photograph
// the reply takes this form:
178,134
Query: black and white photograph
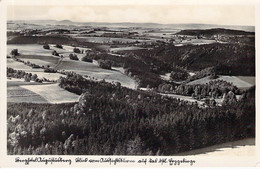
130,80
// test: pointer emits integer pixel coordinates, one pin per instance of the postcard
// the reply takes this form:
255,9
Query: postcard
129,83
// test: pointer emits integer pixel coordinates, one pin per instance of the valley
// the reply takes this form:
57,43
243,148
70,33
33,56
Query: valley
175,88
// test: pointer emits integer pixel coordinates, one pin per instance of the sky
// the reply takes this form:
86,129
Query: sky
165,14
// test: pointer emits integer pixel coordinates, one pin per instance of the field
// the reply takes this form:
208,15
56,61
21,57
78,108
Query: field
29,49
17,65
32,92
19,82
19,94
242,82
53,93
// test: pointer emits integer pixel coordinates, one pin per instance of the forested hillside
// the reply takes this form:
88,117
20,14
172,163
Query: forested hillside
228,59
105,115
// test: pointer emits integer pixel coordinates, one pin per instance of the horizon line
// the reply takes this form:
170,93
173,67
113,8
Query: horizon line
126,22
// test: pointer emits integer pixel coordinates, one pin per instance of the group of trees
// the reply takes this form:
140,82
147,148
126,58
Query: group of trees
113,120
28,63
46,46
55,53
50,70
105,64
22,74
214,89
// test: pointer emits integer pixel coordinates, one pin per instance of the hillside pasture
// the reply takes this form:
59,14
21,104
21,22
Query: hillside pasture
242,82
93,70
82,68
125,48
17,65
53,93
39,71
29,49
40,62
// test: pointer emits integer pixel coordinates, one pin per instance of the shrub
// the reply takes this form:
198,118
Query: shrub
14,52
50,70
178,76
55,53
73,57
46,46
58,46
76,50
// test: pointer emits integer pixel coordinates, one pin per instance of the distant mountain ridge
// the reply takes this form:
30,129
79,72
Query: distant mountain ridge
215,31
65,22
131,24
